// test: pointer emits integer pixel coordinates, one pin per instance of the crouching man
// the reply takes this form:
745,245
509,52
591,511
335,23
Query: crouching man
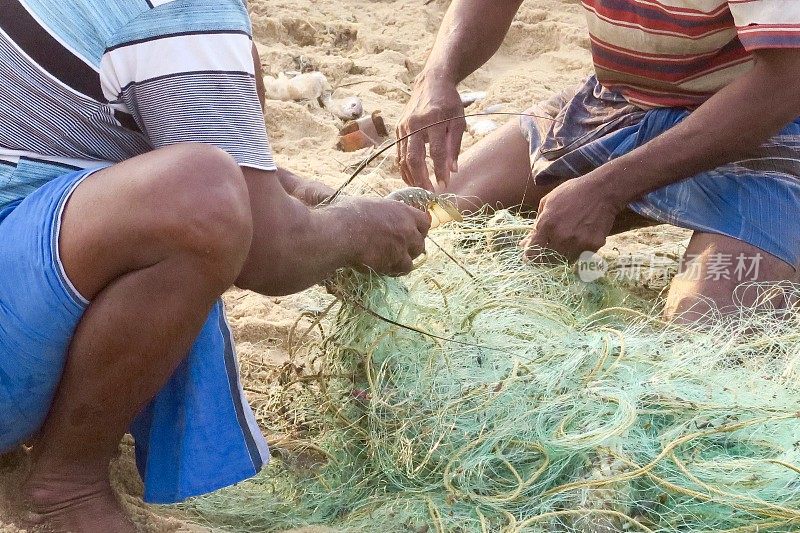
691,119
136,186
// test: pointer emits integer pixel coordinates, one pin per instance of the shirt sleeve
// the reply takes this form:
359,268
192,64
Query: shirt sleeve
767,23
184,71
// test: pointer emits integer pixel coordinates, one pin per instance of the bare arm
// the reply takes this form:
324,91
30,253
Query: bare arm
471,33
295,247
728,127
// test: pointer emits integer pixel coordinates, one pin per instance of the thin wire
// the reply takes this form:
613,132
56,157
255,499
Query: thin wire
424,333
363,165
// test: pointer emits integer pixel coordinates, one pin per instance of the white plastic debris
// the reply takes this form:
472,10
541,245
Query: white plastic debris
470,97
308,86
312,86
480,126
349,108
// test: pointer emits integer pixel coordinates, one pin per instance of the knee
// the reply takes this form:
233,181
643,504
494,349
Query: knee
208,212
689,306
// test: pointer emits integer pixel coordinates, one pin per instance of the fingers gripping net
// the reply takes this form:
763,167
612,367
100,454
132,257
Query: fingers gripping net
532,402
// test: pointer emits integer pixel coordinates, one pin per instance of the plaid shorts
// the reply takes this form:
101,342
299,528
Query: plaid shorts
755,200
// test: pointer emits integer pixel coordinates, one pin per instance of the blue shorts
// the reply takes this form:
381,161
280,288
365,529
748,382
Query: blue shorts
197,435
755,200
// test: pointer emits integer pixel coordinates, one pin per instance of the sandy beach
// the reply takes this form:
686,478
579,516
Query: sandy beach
371,49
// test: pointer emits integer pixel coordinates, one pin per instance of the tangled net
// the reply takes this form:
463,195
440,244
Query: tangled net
521,399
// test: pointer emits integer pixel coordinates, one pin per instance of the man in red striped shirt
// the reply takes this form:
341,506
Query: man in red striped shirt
690,119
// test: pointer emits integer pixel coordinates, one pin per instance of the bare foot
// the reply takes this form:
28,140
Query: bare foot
69,508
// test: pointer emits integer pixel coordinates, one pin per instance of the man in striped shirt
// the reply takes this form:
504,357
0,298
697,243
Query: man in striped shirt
136,186
690,119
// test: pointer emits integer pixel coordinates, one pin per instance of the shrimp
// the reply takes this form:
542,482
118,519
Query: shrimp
441,207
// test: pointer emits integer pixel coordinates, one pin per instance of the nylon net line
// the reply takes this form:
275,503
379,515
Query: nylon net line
484,394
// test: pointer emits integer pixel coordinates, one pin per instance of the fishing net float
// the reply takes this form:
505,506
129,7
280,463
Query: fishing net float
524,400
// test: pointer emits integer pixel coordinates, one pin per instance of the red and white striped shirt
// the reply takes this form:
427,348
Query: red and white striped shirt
676,53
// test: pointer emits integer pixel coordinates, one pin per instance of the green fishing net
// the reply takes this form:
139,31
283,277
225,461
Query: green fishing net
485,394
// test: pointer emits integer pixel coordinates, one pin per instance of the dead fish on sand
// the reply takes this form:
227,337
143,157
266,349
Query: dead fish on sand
312,86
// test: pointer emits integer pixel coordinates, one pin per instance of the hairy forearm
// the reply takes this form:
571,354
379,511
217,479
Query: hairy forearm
727,128
293,247
471,33
311,247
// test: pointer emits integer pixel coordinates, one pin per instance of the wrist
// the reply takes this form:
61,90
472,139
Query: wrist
609,189
437,75
348,237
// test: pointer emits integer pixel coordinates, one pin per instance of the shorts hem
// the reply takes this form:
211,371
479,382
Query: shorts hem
200,489
69,287
663,218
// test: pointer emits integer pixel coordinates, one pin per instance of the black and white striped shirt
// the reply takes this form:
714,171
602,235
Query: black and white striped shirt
91,82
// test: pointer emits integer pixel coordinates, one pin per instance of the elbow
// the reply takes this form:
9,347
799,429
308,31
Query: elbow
249,281
266,281
272,278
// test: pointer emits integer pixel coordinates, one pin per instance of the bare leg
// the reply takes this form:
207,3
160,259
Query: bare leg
152,242
699,288
496,172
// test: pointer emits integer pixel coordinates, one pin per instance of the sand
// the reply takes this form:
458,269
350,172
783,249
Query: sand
373,50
